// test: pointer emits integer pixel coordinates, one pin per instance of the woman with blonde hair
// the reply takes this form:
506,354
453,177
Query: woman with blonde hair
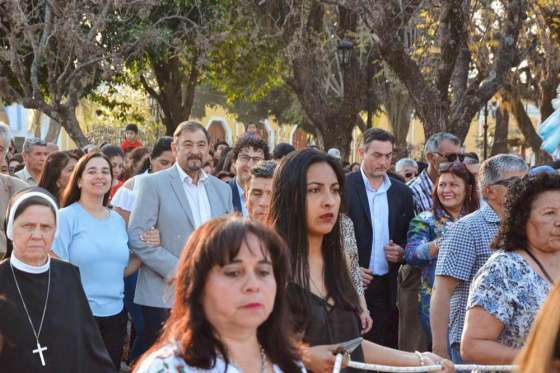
541,353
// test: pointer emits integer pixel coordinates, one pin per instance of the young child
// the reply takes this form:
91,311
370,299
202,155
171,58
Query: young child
131,140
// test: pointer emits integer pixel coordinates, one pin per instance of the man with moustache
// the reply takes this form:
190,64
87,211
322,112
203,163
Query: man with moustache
176,201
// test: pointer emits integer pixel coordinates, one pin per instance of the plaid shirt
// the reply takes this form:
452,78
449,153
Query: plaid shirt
422,189
465,248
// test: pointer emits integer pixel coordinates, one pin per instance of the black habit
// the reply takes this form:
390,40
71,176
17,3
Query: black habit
69,331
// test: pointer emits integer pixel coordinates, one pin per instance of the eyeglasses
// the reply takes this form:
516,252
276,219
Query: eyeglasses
507,182
245,158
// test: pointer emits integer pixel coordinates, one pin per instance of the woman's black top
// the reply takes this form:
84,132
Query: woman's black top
326,323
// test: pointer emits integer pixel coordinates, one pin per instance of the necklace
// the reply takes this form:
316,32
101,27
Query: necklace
39,350
263,360
540,265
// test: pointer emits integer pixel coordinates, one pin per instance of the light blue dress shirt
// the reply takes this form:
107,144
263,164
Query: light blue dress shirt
379,211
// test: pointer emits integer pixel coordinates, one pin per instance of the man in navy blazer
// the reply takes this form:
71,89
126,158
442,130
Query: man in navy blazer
381,208
246,153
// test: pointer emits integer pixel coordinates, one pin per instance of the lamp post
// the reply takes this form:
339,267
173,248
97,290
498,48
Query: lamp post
344,51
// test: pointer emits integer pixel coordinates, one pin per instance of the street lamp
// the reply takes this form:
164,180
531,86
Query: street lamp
344,51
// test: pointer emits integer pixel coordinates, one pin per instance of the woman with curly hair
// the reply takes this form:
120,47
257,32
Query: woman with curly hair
510,288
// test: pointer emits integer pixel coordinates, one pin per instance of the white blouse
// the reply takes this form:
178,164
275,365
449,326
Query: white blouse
164,360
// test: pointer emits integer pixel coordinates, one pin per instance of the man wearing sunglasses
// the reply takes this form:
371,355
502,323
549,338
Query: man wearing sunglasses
464,249
34,153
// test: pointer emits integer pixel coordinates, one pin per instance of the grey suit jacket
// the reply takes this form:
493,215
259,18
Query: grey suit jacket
161,202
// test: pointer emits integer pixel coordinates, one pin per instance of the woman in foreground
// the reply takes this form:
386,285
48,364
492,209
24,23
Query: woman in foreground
230,311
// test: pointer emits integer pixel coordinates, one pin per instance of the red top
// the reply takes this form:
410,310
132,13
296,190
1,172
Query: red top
127,146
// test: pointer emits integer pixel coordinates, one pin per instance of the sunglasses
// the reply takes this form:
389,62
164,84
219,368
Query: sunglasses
452,166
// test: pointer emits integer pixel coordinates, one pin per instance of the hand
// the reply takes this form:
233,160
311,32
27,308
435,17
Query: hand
151,237
367,277
433,359
366,320
393,252
440,351
320,359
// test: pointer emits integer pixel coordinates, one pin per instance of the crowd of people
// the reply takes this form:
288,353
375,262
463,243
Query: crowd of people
238,259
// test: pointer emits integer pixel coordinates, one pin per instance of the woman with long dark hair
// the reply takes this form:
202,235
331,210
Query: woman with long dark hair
455,195
94,238
230,310
56,173
323,300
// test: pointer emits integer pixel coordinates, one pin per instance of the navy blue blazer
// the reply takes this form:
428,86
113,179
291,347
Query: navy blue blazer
236,198
401,212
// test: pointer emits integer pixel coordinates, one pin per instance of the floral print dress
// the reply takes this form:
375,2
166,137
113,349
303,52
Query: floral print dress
424,228
165,360
510,290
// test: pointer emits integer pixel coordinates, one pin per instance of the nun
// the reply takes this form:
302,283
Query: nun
46,324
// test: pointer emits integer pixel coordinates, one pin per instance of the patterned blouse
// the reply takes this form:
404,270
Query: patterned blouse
351,251
510,290
424,228
165,360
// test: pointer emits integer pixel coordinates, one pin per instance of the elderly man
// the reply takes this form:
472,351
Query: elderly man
260,190
35,154
465,248
9,185
407,168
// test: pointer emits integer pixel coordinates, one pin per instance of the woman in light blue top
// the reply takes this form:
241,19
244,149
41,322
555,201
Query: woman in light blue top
94,238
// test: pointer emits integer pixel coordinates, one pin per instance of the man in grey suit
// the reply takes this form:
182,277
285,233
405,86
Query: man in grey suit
176,201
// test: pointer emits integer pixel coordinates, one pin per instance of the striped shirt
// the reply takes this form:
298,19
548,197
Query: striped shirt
422,189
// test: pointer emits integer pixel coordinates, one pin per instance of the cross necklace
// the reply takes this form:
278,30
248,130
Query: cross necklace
39,350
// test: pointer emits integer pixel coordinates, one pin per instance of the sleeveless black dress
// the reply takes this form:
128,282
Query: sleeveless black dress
327,323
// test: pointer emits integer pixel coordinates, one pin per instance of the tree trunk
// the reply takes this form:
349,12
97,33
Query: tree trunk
524,123
68,120
399,108
501,132
176,89
35,125
342,140
53,132
548,93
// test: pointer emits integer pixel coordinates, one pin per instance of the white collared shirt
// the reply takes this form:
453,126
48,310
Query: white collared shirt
196,196
379,211
242,200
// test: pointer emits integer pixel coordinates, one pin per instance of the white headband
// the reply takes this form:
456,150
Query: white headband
18,201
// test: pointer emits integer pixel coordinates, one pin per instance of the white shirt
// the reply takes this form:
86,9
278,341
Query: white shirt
196,196
242,200
379,211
